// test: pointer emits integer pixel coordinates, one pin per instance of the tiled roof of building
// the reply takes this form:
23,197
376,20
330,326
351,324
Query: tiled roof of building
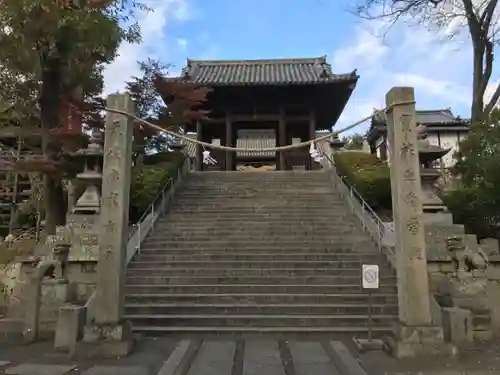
262,72
436,120
429,117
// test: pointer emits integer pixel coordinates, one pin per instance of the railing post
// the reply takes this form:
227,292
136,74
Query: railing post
363,209
152,218
163,203
138,239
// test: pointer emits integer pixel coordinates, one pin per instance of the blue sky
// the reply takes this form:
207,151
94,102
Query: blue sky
250,29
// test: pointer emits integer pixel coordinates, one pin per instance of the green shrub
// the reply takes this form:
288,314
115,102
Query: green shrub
148,179
368,175
476,208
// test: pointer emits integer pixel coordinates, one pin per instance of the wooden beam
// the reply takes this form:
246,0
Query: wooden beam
256,118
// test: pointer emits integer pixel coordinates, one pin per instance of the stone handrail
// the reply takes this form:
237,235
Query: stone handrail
155,210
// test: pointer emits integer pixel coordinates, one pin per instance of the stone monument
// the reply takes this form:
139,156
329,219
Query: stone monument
415,333
109,335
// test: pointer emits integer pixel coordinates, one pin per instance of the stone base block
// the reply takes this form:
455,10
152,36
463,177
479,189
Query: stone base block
104,349
365,345
69,330
457,325
417,341
106,341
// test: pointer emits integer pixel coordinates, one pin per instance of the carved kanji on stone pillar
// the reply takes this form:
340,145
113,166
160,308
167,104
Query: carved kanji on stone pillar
416,333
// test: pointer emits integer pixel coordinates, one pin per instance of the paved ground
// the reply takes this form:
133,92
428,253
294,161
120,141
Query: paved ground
256,356
264,356
480,359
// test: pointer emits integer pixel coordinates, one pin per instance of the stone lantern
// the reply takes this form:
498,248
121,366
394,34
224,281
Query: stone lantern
429,174
83,218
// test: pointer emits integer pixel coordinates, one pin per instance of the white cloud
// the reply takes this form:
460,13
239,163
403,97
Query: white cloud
367,49
407,56
152,26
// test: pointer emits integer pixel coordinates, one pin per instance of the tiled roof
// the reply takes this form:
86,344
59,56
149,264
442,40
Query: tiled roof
436,120
262,72
429,116
435,116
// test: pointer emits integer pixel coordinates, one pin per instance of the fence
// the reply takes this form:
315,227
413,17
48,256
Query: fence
155,210
381,233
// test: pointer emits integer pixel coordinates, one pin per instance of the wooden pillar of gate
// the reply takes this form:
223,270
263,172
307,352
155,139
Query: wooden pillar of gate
281,155
230,155
312,134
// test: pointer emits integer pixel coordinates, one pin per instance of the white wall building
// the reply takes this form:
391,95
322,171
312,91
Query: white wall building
443,129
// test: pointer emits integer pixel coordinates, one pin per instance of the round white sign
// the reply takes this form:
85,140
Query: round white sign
370,276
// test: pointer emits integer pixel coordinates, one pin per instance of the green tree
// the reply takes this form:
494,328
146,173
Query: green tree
476,201
354,141
166,102
52,47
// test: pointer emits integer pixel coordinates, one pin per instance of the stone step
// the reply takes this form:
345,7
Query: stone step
240,272
253,184
179,331
259,320
308,195
311,189
341,250
263,223
260,179
257,207
216,229
354,260
360,245
387,278
252,289
254,229
241,264
252,237
360,298
245,309
202,219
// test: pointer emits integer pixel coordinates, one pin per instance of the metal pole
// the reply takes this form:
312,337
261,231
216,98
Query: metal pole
163,203
139,239
363,209
152,218
370,322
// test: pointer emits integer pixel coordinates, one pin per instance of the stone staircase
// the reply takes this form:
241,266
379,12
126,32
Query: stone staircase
268,252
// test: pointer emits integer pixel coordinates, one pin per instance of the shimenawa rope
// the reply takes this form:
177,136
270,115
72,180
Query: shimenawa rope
240,149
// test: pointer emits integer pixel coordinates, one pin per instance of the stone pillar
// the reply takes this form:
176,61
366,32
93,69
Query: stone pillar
110,335
199,149
229,142
415,333
282,140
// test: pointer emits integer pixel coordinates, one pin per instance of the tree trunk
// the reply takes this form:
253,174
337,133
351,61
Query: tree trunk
53,192
477,106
